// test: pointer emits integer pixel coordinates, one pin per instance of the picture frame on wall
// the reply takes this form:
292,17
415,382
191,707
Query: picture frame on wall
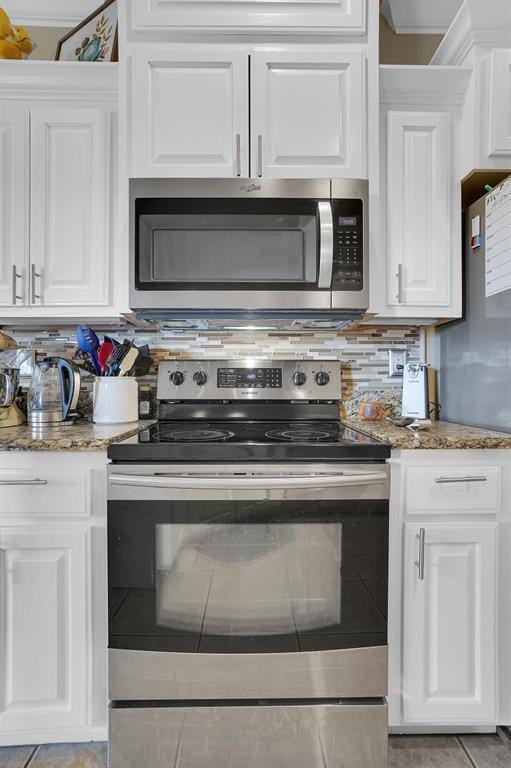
94,39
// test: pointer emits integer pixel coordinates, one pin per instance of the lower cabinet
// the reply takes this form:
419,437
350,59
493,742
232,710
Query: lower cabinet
43,614
53,594
449,622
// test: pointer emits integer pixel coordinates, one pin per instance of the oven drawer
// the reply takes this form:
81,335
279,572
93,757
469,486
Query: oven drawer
273,735
351,672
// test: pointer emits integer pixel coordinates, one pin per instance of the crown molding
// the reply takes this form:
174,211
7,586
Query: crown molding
423,84
41,80
478,22
53,13
416,17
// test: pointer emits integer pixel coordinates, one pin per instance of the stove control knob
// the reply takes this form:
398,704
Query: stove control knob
299,378
200,378
322,378
177,378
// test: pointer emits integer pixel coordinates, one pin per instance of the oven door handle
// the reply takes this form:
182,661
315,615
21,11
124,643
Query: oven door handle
232,483
326,244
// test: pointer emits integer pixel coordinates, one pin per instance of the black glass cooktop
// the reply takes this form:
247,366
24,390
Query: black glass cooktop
198,440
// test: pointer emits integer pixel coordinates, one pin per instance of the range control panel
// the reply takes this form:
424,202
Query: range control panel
348,271
240,378
249,379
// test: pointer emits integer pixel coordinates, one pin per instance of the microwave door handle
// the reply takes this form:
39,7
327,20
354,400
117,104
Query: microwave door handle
326,244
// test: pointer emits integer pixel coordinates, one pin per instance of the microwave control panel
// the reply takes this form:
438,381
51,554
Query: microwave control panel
348,268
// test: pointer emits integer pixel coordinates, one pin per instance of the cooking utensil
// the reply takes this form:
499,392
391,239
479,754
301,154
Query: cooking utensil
89,343
142,365
112,366
104,352
128,360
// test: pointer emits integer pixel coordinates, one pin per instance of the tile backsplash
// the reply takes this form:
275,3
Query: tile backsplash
362,352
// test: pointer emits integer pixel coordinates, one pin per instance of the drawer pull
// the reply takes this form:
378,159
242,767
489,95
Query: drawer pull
422,541
36,481
467,479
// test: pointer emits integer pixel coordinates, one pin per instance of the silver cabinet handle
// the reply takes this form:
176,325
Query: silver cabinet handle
33,275
399,275
238,154
326,244
466,479
15,277
259,155
36,481
422,541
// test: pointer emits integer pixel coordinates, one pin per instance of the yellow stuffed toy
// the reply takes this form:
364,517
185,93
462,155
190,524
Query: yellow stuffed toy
14,41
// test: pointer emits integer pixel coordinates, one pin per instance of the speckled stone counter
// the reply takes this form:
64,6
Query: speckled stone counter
441,434
82,436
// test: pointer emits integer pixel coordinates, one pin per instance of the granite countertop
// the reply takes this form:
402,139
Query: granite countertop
441,434
82,436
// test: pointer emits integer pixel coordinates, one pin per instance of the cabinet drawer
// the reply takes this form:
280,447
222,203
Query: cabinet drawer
452,489
45,493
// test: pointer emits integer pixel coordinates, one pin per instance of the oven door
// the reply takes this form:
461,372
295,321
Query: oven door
248,582
224,245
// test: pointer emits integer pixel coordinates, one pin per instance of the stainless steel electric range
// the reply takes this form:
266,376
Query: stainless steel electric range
247,559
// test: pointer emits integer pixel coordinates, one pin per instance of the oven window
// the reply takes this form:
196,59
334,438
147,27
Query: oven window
241,586
256,244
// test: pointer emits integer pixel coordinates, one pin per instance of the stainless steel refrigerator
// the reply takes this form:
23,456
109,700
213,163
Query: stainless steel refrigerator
474,353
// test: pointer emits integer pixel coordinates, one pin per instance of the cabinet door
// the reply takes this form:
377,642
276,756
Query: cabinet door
449,623
321,16
308,114
499,94
417,208
191,116
43,616
14,190
69,207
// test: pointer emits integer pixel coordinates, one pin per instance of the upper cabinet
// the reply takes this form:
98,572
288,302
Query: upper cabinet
191,116
14,199
333,17
306,106
480,38
69,200
308,114
419,273
58,126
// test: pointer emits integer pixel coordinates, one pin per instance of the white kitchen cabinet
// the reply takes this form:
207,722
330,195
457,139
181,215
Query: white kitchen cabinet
418,276
44,620
53,612
213,16
418,208
191,116
58,145
14,199
479,38
308,113
499,95
69,206
450,631
449,622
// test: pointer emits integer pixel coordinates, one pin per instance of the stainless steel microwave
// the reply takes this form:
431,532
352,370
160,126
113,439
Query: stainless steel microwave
248,245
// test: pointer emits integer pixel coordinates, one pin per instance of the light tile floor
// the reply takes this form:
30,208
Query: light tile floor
478,751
